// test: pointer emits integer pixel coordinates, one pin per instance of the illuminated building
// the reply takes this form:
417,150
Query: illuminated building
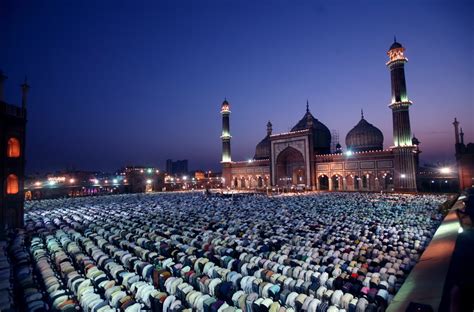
464,158
302,158
12,158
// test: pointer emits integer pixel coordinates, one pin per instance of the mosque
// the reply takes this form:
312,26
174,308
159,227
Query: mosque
302,158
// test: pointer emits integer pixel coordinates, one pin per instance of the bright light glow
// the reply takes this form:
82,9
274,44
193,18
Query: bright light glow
460,230
106,181
149,181
51,182
37,183
185,178
250,161
349,153
445,170
403,176
114,181
149,171
432,181
157,171
124,180
141,170
72,181
56,179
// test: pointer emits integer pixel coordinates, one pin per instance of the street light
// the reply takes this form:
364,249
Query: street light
403,176
445,170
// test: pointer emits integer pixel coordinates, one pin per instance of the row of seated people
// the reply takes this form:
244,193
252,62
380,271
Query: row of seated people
337,252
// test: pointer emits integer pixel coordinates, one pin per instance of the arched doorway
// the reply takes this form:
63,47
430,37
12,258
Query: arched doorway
260,182
290,168
236,183
349,182
336,183
365,182
387,182
242,182
323,182
357,183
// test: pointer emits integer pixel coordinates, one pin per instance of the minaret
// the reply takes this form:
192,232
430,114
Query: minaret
405,174
24,93
456,130
225,111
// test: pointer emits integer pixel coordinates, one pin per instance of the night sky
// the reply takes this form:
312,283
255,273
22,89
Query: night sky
137,82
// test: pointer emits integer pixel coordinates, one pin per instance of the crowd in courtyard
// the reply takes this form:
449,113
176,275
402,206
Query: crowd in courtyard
251,253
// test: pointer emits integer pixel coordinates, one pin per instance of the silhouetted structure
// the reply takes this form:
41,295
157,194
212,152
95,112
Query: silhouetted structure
178,167
12,158
464,158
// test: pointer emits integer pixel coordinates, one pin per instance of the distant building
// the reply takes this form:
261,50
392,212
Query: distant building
307,157
74,184
178,167
144,179
464,158
12,158
437,178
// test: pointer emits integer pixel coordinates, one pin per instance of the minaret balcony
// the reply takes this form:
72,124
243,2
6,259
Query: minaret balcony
400,105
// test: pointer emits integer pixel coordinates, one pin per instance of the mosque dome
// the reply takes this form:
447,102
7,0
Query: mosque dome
321,133
262,150
364,137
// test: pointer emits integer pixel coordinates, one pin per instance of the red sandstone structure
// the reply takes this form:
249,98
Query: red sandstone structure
302,159
12,158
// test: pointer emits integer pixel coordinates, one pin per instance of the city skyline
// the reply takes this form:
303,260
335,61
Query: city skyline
141,85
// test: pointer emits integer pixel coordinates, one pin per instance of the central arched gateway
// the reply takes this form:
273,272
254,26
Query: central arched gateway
290,168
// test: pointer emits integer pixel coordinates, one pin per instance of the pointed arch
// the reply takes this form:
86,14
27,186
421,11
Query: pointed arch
13,148
12,184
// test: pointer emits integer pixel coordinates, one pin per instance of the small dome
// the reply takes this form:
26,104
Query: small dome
364,137
395,44
415,141
321,133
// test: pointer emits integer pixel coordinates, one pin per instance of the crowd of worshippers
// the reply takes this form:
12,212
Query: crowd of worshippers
190,252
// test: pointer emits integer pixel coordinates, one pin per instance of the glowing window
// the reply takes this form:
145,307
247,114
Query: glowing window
13,147
12,184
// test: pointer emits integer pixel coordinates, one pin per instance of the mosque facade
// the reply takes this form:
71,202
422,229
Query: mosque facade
302,158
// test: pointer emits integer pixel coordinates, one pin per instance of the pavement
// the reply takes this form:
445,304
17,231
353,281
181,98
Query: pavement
426,282
458,293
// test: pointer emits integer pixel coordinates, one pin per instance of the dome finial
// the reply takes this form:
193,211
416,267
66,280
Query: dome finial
394,38
361,113
307,106
269,128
